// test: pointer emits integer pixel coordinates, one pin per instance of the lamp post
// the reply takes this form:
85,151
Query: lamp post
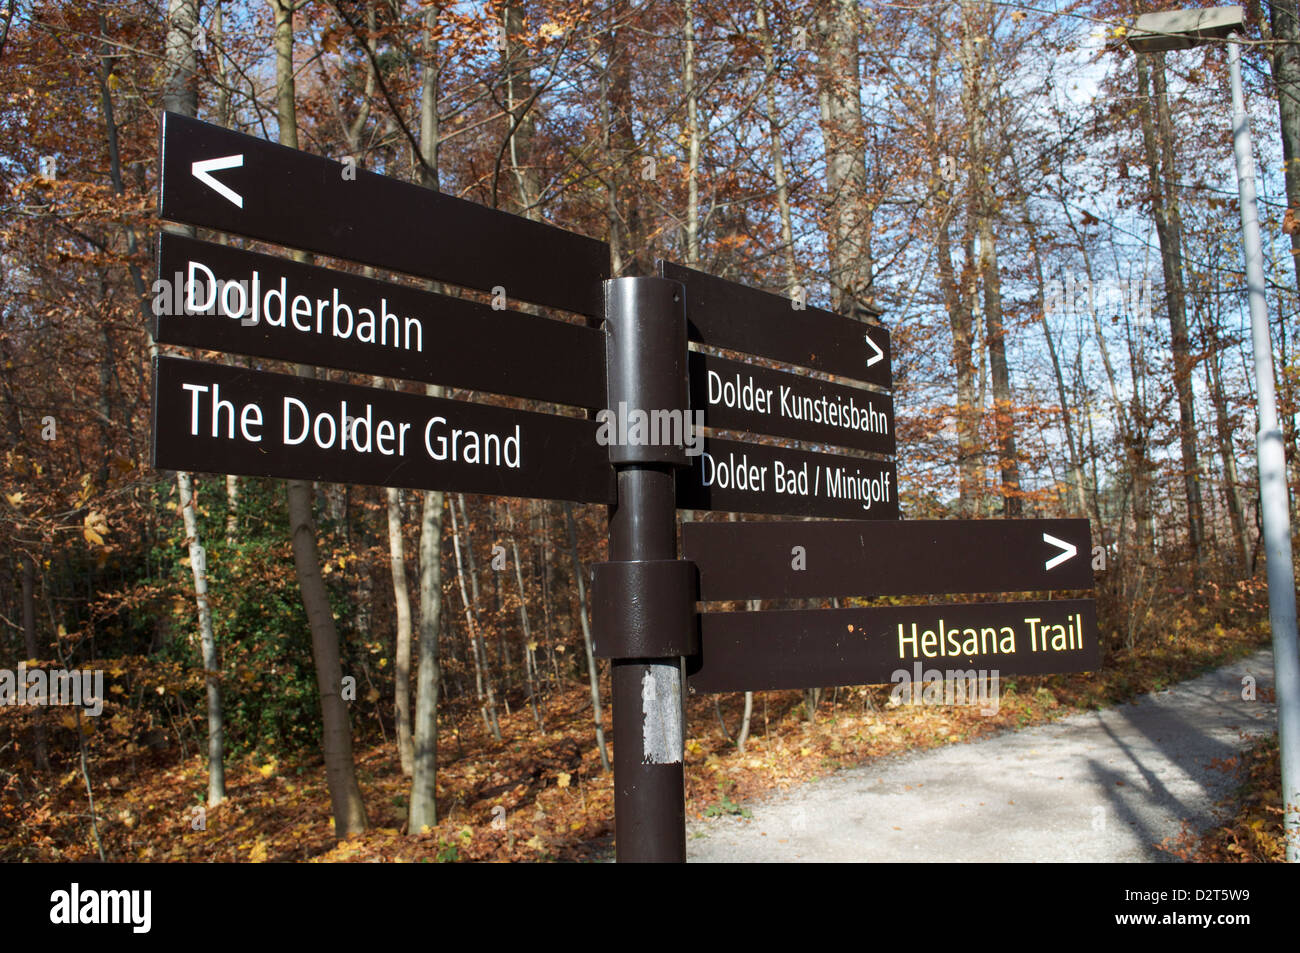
1178,30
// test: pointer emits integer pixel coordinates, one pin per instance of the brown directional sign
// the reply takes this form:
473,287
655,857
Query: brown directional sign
218,419
725,314
782,560
220,179
754,478
226,299
739,396
807,648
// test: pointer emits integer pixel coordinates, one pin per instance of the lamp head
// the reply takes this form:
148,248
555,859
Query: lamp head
1181,29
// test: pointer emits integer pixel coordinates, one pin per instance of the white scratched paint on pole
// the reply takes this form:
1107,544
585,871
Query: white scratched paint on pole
661,711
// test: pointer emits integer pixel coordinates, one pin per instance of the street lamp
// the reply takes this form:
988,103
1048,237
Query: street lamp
1180,30
1183,29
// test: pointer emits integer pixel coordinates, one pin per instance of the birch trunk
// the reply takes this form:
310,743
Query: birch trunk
180,95
530,663
592,674
692,139
424,778
482,693
402,605
423,805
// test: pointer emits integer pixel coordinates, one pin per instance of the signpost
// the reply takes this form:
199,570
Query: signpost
757,478
806,648
739,396
810,648
216,178
240,302
725,314
787,560
222,419
219,419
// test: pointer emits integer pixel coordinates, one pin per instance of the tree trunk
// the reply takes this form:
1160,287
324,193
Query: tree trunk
630,250
1067,418
592,674
848,215
482,689
222,118
1224,437
743,735
180,95
232,510
222,63
402,603
181,89
1133,440
999,374
957,304
692,137
1157,139
530,664
777,151
424,778
1284,22
520,110
336,734
551,582
424,806
476,605
27,567
976,36
1283,27
336,724
207,639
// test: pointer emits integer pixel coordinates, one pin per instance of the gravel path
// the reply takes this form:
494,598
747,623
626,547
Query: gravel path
1101,786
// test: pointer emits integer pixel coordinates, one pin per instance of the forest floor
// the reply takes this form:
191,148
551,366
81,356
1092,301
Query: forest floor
540,794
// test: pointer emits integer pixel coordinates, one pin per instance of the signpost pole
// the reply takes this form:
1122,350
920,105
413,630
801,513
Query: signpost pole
649,799
1272,474
643,599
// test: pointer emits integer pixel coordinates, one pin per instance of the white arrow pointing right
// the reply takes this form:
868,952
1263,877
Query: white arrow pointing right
878,356
1068,551
204,168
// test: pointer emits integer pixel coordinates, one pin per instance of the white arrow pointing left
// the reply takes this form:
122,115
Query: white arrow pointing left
878,356
1068,551
202,171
